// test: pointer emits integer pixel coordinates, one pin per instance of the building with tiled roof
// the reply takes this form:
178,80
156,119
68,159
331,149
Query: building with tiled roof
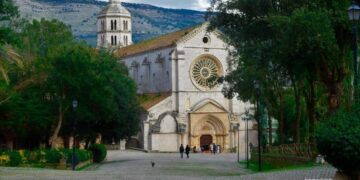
160,42
176,76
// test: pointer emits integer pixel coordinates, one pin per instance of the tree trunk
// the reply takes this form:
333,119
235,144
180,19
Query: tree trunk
297,117
281,120
333,79
310,102
334,96
297,109
58,126
270,129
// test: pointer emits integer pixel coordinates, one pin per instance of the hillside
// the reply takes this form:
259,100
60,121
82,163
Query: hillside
148,21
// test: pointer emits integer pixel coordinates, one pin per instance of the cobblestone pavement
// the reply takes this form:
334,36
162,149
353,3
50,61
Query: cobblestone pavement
137,166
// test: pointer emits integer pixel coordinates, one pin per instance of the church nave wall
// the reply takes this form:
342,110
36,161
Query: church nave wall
151,71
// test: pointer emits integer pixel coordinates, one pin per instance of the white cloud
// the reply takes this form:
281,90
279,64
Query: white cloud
203,4
200,5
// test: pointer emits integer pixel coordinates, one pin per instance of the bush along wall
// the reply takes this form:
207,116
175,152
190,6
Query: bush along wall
99,152
286,155
51,158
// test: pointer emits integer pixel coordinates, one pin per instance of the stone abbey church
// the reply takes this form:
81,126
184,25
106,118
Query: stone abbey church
177,73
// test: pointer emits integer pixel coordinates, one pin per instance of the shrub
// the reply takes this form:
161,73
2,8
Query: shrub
4,158
80,155
53,156
15,159
99,152
338,138
83,155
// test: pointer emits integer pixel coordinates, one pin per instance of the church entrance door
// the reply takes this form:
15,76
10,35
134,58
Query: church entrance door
205,141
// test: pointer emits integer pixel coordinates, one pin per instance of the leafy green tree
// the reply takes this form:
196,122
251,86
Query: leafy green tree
40,79
26,113
8,11
107,101
106,95
308,41
42,36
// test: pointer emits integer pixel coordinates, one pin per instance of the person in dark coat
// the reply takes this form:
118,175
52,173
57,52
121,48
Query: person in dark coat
187,151
215,149
181,151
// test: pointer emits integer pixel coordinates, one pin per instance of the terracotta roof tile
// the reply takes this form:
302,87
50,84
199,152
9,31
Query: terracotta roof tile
148,101
163,41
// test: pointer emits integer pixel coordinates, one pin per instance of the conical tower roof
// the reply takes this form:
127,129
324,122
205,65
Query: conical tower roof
114,8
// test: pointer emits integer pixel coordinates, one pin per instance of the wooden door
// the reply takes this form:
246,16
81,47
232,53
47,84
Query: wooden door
205,141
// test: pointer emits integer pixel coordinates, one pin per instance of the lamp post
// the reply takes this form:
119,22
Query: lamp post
247,138
354,13
238,141
246,118
257,91
74,105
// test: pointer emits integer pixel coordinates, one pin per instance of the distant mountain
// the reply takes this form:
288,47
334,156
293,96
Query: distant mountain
148,21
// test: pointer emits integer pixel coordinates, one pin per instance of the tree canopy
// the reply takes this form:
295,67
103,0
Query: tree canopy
292,47
40,77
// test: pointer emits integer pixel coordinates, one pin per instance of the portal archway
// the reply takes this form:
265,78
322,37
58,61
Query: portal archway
209,130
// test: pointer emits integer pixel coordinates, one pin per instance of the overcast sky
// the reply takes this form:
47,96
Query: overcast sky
177,4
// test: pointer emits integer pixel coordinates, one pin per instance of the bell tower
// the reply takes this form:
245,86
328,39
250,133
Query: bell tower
114,26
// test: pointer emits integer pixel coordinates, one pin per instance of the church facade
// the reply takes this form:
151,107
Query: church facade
176,74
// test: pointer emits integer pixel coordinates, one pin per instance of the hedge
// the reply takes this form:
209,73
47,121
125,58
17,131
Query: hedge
99,152
42,157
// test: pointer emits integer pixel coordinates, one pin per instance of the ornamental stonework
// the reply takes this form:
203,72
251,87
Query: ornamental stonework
205,72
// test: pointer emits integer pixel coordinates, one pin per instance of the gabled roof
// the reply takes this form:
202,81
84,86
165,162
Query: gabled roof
160,42
148,101
205,102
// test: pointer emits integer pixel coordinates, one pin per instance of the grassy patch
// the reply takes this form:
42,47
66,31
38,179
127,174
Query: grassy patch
85,167
266,167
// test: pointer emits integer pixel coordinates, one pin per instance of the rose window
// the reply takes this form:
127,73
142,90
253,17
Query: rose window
205,73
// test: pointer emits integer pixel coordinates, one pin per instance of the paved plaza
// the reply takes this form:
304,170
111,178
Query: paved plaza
137,166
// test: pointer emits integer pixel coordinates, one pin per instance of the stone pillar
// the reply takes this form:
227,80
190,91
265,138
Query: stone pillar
146,136
122,145
231,138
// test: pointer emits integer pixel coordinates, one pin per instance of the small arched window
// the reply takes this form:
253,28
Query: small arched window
126,41
102,25
102,40
126,25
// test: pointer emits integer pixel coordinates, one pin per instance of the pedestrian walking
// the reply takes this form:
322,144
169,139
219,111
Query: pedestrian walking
181,149
215,149
211,148
187,151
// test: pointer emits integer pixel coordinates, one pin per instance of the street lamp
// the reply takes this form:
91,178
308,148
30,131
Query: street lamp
238,141
257,91
74,105
246,118
354,13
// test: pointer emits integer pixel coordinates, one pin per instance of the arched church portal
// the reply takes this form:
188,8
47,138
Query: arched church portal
207,131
